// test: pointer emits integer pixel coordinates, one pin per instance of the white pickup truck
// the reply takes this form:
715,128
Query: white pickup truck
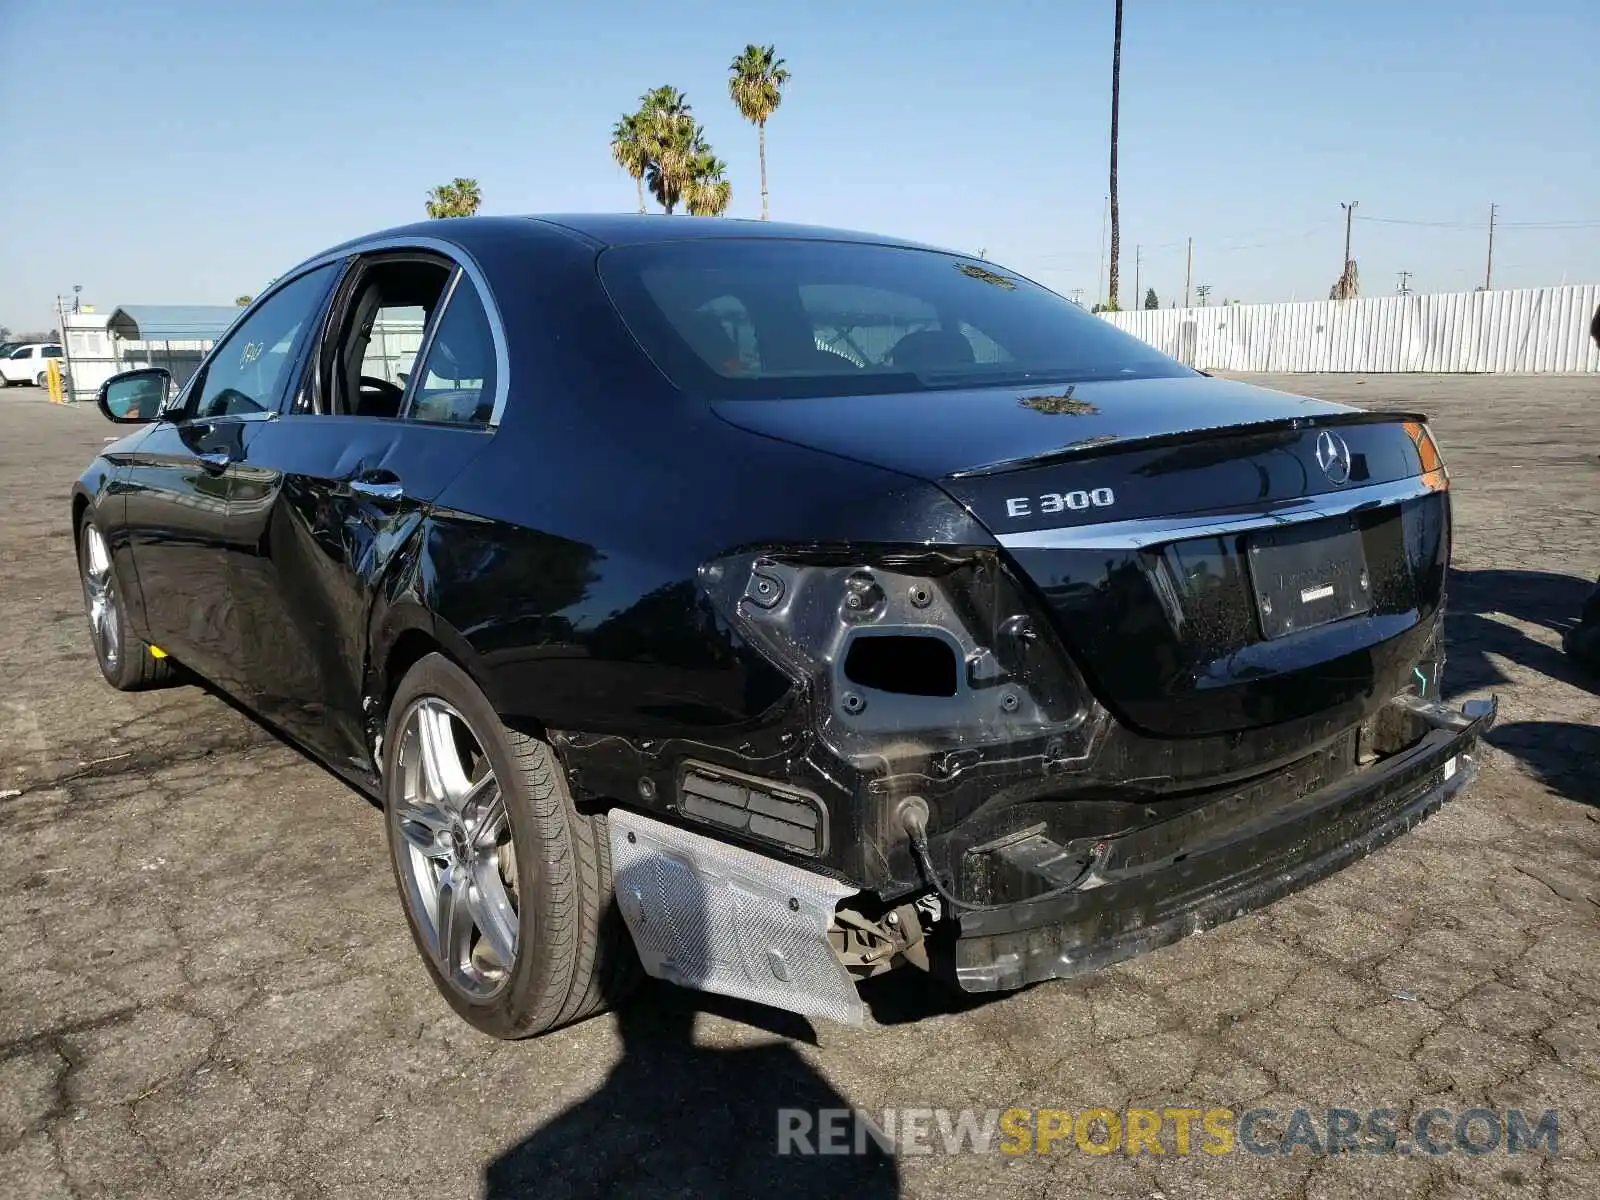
28,363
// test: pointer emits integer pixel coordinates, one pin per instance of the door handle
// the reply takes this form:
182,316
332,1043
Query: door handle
378,485
215,461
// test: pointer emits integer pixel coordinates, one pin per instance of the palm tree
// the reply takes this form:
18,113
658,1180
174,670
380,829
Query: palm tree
1116,90
670,133
709,193
755,81
631,148
664,149
458,198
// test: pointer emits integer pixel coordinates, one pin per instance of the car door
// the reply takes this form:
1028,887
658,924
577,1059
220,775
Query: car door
19,366
179,480
333,492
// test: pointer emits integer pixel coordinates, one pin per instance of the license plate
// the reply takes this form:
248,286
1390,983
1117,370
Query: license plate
1309,575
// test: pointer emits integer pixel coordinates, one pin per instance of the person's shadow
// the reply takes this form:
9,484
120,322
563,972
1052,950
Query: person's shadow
678,1119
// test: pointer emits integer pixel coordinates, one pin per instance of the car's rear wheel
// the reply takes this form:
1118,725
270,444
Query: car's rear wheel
128,663
505,884
42,379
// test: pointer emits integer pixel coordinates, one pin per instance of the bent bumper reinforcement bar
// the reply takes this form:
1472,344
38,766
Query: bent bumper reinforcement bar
719,918
1208,882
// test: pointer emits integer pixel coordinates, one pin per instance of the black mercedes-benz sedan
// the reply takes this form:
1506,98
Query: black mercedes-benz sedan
773,607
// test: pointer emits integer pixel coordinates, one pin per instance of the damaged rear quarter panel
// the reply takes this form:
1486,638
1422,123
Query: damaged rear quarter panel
580,600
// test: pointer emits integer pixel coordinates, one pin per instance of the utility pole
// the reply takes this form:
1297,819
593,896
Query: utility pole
1100,282
1138,297
1488,270
1188,270
1405,280
1349,218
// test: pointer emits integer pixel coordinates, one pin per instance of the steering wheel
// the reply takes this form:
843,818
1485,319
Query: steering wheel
392,391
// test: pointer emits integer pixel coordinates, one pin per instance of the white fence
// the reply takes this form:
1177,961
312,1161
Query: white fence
1525,329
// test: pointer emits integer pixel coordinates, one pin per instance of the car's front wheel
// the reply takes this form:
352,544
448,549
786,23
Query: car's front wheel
505,884
128,663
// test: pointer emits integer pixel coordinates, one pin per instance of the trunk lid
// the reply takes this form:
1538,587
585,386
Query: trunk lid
1217,556
938,433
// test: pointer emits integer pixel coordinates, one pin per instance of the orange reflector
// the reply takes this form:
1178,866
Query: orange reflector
1428,452
157,652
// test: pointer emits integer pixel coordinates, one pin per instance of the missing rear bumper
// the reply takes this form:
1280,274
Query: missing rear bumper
1137,901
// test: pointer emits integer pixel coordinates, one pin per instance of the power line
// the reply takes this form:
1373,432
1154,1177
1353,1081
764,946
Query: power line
1429,224
1585,223
1225,247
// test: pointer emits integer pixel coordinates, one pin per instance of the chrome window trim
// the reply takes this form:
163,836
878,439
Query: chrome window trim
1139,532
409,399
176,406
467,264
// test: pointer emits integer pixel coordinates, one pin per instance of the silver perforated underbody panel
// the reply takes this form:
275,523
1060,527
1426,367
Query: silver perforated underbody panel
722,919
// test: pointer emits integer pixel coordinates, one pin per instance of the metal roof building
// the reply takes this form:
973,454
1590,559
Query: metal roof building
171,322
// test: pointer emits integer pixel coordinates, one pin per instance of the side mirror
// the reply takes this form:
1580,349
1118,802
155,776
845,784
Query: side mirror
135,397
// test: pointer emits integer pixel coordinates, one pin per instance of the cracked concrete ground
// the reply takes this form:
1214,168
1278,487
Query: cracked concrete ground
207,987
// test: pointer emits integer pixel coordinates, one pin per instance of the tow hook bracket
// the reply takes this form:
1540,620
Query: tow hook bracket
1022,865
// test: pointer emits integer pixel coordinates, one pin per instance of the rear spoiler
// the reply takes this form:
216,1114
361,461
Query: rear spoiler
1108,443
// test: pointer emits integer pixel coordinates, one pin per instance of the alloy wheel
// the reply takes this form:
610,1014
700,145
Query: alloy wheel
99,593
457,860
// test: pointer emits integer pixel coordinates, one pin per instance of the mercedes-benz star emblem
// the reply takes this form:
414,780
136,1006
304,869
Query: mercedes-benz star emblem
1333,456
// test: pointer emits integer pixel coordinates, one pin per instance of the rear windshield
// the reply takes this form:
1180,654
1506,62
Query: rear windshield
766,318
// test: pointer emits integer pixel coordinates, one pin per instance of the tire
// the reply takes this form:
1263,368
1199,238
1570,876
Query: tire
126,662
42,379
531,867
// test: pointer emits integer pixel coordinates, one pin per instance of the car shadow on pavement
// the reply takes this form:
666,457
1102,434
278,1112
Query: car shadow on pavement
679,1118
908,996
1473,633
1561,754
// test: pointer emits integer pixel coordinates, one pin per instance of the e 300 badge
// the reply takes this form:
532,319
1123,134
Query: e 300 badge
1055,502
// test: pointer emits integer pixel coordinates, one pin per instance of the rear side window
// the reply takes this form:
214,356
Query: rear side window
770,318
51,352
457,383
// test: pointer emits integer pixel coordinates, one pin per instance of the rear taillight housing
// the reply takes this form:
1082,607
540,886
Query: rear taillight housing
908,653
1431,462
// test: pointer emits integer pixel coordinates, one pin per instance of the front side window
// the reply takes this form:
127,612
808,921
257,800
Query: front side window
457,381
773,318
246,372
373,359
25,352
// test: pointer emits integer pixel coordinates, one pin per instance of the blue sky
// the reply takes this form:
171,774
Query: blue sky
176,151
